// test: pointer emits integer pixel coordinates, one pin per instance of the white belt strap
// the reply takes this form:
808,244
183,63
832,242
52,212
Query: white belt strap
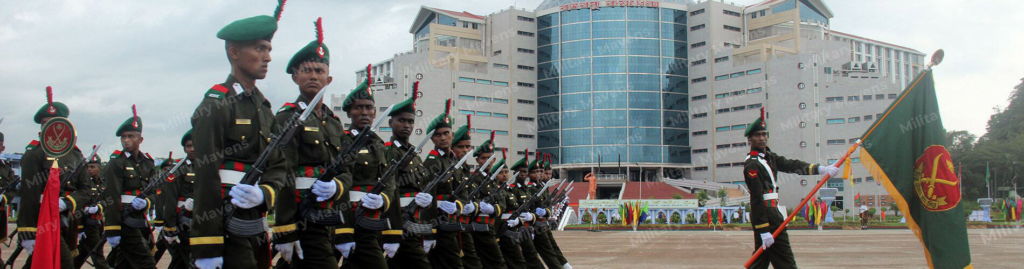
127,199
181,203
505,216
771,174
771,196
304,183
355,196
406,200
230,177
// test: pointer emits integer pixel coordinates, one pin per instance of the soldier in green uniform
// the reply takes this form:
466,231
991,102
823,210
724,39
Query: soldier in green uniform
548,175
522,191
6,176
126,174
483,232
92,219
306,242
462,145
541,209
381,224
35,167
233,125
507,202
446,254
760,171
178,205
410,179
159,205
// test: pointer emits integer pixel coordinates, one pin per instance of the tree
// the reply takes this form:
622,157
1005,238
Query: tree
894,208
722,196
845,213
702,197
677,196
960,142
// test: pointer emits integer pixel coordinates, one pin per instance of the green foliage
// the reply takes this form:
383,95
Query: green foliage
677,196
690,218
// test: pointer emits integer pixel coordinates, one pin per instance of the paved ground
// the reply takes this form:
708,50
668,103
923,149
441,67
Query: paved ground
990,248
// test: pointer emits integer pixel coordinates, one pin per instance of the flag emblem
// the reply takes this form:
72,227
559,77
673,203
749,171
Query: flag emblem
934,180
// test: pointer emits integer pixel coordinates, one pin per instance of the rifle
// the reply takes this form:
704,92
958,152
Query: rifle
523,207
484,183
10,260
501,188
157,180
78,169
377,188
337,165
463,185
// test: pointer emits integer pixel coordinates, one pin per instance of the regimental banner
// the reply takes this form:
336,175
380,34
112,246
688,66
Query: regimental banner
651,203
599,4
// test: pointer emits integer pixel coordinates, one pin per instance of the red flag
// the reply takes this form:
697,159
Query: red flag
47,250
719,216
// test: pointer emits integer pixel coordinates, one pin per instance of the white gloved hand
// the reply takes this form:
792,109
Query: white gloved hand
447,207
513,222
468,209
767,240
346,248
139,203
423,199
566,266
210,263
189,204
324,190
832,171
113,240
80,236
372,201
246,196
28,245
171,239
390,249
486,208
288,249
158,229
526,216
60,203
428,245
541,212
92,210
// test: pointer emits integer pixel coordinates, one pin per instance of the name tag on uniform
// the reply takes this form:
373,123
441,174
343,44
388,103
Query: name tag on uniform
364,151
243,121
190,174
312,129
129,168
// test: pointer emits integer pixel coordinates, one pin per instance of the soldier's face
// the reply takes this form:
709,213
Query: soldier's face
311,78
130,141
548,174
252,58
522,174
480,160
166,168
503,175
189,150
2,147
535,175
94,170
402,124
442,138
758,140
462,148
362,113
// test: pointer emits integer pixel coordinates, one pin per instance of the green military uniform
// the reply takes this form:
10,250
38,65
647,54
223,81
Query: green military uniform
510,240
6,176
178,219
35,167
447,253
310,151
523,190
541,228
760,170
552,208
469,258
486,243
92,225
159,205
365,171
410,180
233,126
126,175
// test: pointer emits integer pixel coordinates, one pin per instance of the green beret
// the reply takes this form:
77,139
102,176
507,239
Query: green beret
1,136
463,133
521,163
132,124
757,125
95,160
51,109
535,164
494,169
485,147
443,120
362,91
187,137
547,161
260,27
409,105
315,51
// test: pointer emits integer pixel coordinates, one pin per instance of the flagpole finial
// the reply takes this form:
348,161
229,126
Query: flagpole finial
936,58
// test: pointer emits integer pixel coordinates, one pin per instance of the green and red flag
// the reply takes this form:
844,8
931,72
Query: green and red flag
905,149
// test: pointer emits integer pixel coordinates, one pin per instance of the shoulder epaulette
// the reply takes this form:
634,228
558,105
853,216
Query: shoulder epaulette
388,144
433,154
32,145
217,92
286,107
147,156
115,154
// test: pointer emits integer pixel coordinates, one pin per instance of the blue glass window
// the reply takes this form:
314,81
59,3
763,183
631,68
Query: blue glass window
609,136
445,20
677,155
673,101
547,104
676,119
547,122
644,100
579,137
610,13
609,118
643,14
674,84
754,71
578,119
575,31
547,36
672,15
609,83
547,53
610,154
605,29
547,70
674,66
576,49
604,47
547,20
673,31
643,47
609,65
576,154
575,101
465,79
646,154
547,87
575,84
610,100
643,29
644,82
578,66
649,136
677,137
784,6
673,49
644,118
644,65
578,15
547,139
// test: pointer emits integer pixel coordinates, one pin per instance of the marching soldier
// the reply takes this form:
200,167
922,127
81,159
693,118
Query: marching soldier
462,145
410,179
177,207
522,192
446,254
302,238
507,202
486,244
34,170
233,126
92,223
159,205
760,171
126,175
541,228
548,175
6,176
362,244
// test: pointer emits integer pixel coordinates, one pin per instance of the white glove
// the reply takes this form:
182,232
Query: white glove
28,245
324,190
246,196
80,236
428,245
832,171
346,248
513,222
468,209
372,201
447,207
486,208
189,204
287,249
541,212
92,210
63,207
423,199
171,239
526,216
139,203
210,263
158,229
566,266
390,249
767,240
113,240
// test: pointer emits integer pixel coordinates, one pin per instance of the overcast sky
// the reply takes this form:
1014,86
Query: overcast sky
103,56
